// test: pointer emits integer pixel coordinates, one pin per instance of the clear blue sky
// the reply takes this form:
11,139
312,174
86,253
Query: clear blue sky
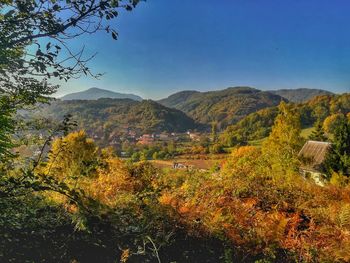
166,46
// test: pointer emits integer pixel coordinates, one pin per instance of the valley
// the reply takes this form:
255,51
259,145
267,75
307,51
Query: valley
147,130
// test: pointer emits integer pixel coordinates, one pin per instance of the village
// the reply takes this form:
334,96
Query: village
133,136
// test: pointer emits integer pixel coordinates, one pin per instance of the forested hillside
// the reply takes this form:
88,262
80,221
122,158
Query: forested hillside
224,107
105,116
258,125
180,99
300,95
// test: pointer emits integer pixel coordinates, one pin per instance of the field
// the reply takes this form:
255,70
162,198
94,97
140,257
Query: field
305,133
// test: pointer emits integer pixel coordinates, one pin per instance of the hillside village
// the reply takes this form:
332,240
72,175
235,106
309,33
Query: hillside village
132,136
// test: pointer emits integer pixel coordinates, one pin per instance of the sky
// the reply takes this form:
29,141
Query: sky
166,46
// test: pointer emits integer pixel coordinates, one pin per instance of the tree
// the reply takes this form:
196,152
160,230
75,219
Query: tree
214,132
338,158
216,148
282,146
71,157
135,157
6,129
332,122
318,133
13,97
27,23
171,148
34,46
127,148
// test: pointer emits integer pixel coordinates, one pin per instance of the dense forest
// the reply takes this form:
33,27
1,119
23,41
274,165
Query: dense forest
223,107
75,201
105,116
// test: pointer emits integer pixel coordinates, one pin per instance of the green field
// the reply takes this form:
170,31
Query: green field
257,143
305,133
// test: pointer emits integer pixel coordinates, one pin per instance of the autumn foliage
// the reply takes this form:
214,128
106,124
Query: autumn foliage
257,204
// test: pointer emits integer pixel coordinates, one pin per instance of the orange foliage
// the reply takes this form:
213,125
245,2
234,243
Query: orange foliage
298,216
111,181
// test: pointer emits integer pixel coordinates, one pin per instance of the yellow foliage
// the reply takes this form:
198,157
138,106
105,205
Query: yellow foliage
338,179
125,256
71,156
344,216
331,122
110,182
240,203
242,160
284,142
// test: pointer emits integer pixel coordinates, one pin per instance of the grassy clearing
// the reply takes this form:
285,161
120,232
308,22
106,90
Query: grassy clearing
257,143
305,133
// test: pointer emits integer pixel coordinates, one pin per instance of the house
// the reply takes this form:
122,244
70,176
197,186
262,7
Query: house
96,136
146,139
132,134
114,141
313,155
195,136
124,154
179,166
164,137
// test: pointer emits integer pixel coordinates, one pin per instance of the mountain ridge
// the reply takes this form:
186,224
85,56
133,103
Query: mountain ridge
97,93
301,94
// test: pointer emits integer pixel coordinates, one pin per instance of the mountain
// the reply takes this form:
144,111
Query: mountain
117,116
300,95
179,100
223,106
96,93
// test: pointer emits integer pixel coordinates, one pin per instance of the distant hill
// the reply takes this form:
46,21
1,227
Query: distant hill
224,106
116,116
180,99
300,95
96,93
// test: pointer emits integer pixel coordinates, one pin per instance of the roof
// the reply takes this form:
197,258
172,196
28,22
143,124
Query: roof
314,154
